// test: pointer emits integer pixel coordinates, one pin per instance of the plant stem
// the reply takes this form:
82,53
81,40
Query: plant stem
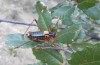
17,22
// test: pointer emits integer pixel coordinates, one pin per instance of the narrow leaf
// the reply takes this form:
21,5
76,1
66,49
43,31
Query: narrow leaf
45,19
41,25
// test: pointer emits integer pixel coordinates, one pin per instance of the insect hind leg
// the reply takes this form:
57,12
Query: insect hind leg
22,44
34,20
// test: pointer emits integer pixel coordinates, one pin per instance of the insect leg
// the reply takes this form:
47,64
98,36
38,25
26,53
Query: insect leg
38,26
22,44
49,28
29,26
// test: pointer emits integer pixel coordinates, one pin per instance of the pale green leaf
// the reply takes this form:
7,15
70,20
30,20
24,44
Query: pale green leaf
17,39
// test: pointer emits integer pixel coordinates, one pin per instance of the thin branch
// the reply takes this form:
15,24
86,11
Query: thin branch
93,35
17,22
87,40
23,23
54,48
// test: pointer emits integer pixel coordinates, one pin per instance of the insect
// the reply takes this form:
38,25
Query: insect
39,36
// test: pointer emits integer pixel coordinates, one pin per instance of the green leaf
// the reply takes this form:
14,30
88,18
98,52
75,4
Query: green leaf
93,12
67,35
63,12
45,19
51,57
90,8
88,56
67,20
60,12
17,39
41,25
81,46
85,4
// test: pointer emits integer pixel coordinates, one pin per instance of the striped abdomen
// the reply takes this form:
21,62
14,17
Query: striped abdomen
40,36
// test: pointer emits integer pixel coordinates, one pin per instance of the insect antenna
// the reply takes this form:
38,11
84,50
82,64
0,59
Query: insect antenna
22,44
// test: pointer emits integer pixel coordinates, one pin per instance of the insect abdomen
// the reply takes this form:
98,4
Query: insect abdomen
37,35
41,36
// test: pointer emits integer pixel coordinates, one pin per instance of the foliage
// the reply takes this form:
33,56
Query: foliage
44,20
51,57
79,39
88,56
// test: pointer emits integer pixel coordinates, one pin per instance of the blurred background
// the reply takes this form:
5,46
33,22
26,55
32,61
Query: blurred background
19,10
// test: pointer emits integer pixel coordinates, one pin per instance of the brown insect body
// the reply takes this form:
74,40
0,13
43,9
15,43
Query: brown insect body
41,36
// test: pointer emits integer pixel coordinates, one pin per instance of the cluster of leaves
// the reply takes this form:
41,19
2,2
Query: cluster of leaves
79,17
